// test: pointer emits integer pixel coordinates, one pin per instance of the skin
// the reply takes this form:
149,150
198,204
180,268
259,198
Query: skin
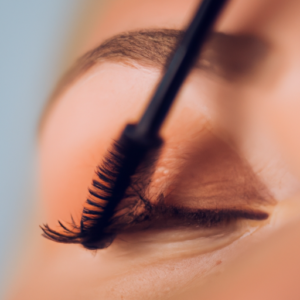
251,119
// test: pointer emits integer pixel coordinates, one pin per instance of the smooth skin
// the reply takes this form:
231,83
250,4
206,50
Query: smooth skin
251,118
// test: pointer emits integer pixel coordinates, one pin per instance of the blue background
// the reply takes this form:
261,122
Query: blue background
32,36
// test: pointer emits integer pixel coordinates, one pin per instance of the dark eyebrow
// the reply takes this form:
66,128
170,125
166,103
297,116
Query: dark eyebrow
224,54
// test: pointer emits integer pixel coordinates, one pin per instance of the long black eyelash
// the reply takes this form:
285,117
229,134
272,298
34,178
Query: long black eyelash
136,209
86,233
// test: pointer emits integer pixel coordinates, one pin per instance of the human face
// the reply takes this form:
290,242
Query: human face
219,154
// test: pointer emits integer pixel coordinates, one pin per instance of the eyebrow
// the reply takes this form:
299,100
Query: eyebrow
224,54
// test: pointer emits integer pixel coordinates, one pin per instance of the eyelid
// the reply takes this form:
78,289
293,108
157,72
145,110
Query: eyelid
209,160
138,215
173,242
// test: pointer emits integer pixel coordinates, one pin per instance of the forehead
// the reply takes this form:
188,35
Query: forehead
243,15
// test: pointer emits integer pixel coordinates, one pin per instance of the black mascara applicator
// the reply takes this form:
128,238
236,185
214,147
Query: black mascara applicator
138,139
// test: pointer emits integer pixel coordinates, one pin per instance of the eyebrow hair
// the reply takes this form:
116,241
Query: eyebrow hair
223,54
150,48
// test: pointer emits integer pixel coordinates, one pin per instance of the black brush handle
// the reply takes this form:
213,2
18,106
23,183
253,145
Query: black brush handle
133,148
137,140
179,67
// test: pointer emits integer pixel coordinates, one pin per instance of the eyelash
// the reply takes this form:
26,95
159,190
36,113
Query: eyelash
86,233
135,211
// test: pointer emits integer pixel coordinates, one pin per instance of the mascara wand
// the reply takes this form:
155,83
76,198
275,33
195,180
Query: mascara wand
138,139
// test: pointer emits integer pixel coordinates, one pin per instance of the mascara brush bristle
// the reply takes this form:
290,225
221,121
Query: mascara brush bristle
113,179
114,175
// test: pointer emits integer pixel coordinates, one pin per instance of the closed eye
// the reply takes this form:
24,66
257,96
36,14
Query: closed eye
218,199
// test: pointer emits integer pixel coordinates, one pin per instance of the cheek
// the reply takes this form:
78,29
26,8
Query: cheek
158,281
111,274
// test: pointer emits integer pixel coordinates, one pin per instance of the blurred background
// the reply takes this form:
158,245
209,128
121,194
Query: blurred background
39,41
